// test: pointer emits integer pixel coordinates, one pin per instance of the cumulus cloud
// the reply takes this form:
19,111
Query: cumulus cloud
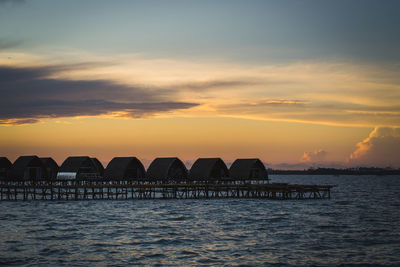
315,156
28,95
381,148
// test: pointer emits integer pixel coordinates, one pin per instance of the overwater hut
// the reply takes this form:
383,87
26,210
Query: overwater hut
248,169
51,167
81,168
99,166
28,168
125,168
167,169
208,169
5,168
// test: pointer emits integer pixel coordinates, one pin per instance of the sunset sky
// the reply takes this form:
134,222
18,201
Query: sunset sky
294,83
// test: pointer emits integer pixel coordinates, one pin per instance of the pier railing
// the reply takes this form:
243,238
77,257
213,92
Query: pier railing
134,189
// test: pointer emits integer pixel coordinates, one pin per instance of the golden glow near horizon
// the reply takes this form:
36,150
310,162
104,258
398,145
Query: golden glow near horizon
188,138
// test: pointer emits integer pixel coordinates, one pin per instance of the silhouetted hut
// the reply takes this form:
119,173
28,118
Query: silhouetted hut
99,166
28,168
82,168
51,167
208,169
248,169
5,168
167,169
125,168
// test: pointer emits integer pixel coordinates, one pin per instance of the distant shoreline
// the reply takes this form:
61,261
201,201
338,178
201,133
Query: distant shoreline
331,171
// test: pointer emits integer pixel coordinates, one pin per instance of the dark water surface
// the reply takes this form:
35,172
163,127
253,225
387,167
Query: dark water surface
359,225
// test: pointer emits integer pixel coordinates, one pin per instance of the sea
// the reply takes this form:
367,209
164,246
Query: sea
358,226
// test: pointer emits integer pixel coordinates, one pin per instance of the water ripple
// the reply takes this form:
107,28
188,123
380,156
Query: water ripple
360,226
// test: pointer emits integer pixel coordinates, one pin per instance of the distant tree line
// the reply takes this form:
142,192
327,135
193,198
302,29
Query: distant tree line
333,171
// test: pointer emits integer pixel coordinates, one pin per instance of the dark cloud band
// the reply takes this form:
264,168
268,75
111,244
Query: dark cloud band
27,95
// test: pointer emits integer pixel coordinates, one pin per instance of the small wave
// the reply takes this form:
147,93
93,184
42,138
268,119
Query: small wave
14,261
50,251
188,252
155,255
179,218
163,241
206,260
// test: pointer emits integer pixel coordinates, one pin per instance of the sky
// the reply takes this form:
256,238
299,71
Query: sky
297,84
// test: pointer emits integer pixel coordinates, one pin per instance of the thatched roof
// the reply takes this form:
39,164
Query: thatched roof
51,166
23,162
5,163
124,168
208,169
99,166
49,163
72,164
166,168
248,169
5,167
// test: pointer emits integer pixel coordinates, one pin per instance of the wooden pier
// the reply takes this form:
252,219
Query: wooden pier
126,190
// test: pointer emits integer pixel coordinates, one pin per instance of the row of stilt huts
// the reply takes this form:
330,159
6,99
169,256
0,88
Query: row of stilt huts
31,168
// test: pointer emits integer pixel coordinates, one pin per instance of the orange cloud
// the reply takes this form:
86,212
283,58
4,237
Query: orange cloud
381,148
316,156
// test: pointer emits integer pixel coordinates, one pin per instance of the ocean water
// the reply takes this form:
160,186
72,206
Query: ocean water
360,225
